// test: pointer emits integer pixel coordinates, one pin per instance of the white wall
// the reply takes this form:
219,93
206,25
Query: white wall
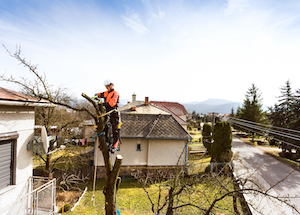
153,152
21,120
166,152
131,157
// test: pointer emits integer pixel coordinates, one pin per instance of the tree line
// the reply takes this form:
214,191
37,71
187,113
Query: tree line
283,115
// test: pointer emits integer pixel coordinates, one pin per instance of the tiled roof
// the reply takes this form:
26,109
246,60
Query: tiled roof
178,118
152,126
145,109
175,107
12,96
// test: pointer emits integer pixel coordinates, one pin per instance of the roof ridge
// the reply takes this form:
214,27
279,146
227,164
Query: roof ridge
153,124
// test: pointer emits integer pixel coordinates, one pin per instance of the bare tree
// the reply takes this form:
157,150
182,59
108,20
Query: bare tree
202,193
41,89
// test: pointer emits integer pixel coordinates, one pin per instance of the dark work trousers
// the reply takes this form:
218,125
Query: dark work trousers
114,120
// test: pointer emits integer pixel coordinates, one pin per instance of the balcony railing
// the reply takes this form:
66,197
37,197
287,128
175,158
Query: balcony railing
40,199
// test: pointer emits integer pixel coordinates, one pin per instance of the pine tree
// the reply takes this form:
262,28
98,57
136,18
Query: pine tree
252,108
285,114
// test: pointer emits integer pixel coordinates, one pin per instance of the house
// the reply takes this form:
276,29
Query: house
177,110
17,119
151,139
89,132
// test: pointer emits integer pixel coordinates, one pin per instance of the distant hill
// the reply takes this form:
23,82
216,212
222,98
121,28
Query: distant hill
212,105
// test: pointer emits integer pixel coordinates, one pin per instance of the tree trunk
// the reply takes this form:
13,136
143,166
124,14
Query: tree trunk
47,167
111,171
110,189
171,200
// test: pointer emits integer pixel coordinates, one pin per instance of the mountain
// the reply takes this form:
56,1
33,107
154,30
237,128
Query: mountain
212,105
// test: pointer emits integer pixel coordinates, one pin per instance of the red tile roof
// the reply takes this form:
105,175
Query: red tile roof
12,96
175,107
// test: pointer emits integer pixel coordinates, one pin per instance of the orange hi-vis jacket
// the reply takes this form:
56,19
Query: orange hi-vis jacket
111,97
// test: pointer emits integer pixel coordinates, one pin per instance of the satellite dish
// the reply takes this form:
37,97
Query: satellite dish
45,139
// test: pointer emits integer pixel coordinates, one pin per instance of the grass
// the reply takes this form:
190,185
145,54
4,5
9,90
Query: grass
133,200
197,135
68,153
198,163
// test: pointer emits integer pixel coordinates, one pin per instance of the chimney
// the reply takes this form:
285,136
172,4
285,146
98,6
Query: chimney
146,100
133,98
133,103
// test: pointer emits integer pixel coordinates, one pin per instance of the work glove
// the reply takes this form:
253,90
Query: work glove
95,96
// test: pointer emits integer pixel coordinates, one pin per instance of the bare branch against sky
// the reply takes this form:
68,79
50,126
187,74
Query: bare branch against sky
168,50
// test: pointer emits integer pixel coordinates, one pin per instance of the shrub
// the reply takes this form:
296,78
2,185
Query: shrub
206,136
221,148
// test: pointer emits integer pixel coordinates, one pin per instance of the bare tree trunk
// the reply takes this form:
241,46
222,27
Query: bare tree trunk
111,187
111,171
171,201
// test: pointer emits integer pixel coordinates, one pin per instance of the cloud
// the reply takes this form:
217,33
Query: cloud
133,21
235,5
159,14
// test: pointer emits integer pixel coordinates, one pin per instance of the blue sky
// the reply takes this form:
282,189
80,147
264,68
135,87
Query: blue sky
181,51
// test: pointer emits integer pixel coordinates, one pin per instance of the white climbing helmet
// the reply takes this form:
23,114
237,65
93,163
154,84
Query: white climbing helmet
107,82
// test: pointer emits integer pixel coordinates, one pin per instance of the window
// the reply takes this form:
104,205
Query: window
138,147
7,159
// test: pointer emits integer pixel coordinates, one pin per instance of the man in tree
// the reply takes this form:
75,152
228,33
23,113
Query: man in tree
111,102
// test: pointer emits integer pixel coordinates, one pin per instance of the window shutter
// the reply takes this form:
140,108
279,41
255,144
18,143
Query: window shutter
6,168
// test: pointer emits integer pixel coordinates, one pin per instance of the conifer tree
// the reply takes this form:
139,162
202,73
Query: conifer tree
252,108
221,147
206,136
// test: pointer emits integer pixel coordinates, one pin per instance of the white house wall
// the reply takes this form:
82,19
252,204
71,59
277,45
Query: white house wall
21,120
166,152
131,157
153,152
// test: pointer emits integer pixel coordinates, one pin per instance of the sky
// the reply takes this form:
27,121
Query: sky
179,50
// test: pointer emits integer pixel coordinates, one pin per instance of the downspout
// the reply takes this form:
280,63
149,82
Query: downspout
186,155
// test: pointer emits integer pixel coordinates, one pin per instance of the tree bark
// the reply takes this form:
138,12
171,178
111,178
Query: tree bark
171,200
110,190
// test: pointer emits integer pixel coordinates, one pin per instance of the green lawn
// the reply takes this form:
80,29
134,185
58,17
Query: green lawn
133,200
68,153
197,135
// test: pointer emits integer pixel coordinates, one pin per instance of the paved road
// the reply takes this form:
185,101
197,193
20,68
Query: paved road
254,164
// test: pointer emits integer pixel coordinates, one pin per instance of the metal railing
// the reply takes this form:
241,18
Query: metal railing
40,200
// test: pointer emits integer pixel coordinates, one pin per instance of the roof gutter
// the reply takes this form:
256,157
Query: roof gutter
157,138
28,104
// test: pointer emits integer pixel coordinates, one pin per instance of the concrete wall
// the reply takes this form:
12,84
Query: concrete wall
21,120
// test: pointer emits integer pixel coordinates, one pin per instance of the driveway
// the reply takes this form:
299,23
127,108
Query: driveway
265,171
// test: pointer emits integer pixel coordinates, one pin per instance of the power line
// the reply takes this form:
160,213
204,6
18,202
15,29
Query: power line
287,135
